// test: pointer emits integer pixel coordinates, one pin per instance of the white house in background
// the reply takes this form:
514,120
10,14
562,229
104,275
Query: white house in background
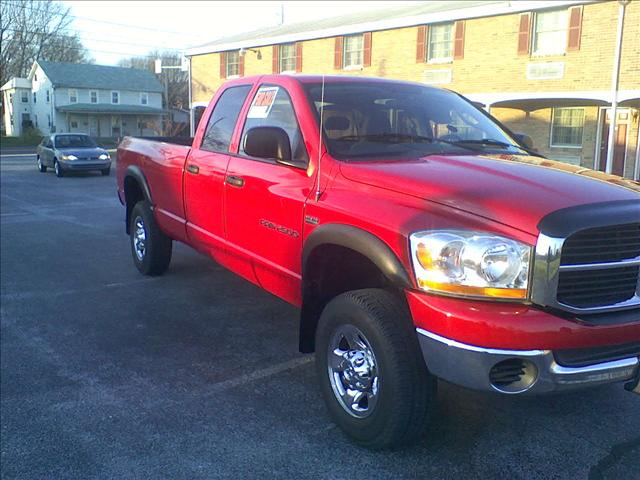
99,100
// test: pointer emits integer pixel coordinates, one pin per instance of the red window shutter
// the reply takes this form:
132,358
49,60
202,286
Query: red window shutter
275,64
421,52
366,54
458,41
223,64
575,28
298,57
337,54
241,65
524,34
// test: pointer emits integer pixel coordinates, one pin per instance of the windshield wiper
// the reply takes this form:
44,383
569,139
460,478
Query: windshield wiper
497,143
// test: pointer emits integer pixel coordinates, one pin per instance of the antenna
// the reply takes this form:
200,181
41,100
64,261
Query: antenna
320,138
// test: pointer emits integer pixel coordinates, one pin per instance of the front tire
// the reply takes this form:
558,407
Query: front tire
58,169
106,171
371,371
41,167
150,247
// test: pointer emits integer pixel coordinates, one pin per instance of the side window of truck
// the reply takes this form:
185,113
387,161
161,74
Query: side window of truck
223,119
276,111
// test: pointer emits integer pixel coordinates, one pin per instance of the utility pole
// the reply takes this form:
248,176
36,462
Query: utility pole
615,79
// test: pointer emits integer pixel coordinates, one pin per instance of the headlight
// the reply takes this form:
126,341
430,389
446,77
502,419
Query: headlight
104,156
69,157
468,263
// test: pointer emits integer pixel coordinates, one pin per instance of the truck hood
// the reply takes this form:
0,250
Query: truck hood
514,190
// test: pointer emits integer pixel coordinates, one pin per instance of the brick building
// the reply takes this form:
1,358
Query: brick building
542,67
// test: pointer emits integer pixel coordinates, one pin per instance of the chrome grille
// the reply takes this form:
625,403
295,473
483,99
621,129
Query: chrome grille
599,267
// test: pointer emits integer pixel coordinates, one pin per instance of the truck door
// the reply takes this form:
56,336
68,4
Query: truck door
265,200
204,173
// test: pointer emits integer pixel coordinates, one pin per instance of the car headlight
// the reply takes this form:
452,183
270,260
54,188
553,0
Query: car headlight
69,157
104,156
471,264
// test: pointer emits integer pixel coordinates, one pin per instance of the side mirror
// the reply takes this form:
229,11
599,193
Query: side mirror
524,140
271,143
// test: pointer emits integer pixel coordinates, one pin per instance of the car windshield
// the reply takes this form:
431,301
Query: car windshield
371,120
73,141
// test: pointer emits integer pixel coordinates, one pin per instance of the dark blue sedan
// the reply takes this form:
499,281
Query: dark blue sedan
65,152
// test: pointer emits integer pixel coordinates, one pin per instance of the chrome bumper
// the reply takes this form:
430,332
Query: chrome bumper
470,366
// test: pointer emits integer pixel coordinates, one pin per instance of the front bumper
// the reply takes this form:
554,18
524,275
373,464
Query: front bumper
84,165
479,368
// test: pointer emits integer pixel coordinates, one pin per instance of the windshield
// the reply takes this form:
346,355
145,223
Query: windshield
371,120
73,141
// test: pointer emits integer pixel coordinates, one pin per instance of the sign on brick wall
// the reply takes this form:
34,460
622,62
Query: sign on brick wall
545,71
437,77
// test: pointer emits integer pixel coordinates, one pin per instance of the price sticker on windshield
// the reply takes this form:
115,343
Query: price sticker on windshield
262,102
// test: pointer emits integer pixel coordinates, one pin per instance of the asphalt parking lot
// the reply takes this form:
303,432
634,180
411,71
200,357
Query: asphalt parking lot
108,374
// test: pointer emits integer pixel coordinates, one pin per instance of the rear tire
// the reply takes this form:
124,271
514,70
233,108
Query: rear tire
385,366
58,169
150,247
106,171
41,167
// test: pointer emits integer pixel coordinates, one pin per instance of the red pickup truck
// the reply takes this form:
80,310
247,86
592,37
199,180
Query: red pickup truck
419,237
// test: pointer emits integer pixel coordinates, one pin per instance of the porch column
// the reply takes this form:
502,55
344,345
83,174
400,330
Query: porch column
636,170
615,77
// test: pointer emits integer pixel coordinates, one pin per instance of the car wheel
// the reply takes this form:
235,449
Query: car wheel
150,247
58,169
41,167
106,171
371,371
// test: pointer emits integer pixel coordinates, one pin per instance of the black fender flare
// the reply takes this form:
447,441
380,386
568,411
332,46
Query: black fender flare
353,238
135,172
361,241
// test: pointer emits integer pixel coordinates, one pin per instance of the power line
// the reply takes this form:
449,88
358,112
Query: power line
105,22
93,39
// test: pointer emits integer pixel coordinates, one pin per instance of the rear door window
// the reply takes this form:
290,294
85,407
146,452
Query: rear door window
222,121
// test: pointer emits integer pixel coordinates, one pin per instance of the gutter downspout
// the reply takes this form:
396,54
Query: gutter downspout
636,173
191,116
615,78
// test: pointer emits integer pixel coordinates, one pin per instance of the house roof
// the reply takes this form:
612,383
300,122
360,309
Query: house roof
109,108
82,75
378,19
17,82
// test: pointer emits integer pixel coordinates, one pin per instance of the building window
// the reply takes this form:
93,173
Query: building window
550,32
567,126
36,119
287,61
48,119
48,96
233,63
35,99
440,43
73,96
115,97
25,97
144,98
353,51
93,96
11,98
74,124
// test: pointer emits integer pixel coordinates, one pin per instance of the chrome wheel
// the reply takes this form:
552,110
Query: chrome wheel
39,164
353,371
139,238
57,168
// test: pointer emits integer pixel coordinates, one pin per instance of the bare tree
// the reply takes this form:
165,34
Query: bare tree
36,30
176,80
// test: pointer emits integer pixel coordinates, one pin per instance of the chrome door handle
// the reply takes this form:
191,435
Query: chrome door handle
235,181
193,169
